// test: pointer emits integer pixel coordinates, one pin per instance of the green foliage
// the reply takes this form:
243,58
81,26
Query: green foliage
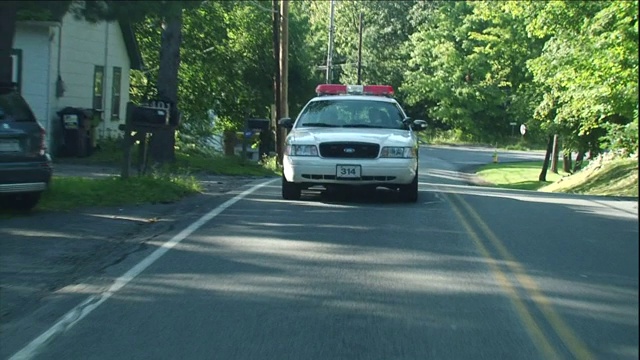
622,137
42,10
470,68
588,70
467,60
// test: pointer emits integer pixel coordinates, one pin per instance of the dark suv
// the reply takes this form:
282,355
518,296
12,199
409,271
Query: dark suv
25,165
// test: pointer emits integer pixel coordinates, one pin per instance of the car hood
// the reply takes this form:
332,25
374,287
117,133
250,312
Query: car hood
386,137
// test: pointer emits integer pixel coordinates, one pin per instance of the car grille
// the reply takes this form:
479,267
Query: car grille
349,150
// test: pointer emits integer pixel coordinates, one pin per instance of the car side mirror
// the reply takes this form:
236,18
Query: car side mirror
286,123
418,125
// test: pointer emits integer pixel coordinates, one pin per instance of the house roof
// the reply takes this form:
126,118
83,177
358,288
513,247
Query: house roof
135,57
54,16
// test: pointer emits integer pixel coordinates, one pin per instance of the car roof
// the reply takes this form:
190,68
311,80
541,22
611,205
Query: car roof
355,97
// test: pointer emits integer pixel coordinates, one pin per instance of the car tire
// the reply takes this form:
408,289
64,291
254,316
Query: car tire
290,190
23,201
409,193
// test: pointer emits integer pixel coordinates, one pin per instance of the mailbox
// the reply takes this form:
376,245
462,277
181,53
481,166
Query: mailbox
153,116
258,124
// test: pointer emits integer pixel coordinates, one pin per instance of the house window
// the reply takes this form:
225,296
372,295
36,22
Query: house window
98,87
115,93
16,65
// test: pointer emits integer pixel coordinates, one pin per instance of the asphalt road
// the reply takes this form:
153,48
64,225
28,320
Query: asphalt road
466,273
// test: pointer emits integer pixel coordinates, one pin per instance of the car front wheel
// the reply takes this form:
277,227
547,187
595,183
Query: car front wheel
290,190
409,193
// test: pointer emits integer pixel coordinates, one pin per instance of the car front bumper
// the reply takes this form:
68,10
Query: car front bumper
322,171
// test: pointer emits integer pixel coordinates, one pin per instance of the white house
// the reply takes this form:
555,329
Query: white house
73,63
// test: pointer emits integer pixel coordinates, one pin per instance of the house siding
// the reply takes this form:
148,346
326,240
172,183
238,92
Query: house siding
71,49
34,43
83,47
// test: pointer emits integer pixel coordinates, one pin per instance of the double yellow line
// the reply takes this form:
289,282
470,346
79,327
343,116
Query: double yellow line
578,349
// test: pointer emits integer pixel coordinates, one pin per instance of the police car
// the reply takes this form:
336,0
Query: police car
351,135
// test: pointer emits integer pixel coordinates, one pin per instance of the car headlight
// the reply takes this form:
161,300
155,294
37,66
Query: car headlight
301,150
398,152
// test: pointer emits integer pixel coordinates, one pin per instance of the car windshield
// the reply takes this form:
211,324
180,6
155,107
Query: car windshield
354,113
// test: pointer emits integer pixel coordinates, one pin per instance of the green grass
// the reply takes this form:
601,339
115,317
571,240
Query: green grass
164,185
611,178
518,175
187,161
66,193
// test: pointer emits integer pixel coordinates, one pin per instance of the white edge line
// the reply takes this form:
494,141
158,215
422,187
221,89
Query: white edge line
92,302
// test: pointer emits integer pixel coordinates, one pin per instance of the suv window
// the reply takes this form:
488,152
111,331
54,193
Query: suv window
352,113
14,107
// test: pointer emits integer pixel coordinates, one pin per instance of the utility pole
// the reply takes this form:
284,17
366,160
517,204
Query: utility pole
276,78
330,50
284,74
360,50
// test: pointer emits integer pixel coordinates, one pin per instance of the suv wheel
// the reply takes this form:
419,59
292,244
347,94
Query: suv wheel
290,191
409,193
23,201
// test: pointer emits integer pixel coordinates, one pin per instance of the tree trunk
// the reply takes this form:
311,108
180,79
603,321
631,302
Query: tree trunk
566,163
162,143
277,113
554,155
579,158
8,12
284,74
547,156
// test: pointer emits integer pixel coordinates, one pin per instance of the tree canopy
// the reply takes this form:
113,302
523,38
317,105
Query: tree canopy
470,67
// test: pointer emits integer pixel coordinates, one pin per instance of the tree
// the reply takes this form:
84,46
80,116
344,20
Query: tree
162,144
588,70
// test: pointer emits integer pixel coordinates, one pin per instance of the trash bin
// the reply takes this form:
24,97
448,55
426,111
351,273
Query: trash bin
76,126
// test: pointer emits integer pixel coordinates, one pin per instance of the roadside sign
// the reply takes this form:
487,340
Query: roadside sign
523,129
513,124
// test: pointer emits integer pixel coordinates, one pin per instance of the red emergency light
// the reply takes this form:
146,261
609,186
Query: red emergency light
338,89
331,89
381,90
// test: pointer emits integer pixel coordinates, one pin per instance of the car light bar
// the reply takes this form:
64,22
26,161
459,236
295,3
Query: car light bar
381,90
338,89
331,89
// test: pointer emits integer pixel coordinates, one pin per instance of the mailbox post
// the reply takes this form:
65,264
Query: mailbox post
140,121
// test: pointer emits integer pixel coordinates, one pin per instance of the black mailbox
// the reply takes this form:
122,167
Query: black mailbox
261,126
258,124
150,116
154,114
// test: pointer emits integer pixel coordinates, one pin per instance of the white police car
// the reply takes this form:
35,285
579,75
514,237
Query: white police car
351,135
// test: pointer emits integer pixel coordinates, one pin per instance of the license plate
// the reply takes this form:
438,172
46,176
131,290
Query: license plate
348,171
9,145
